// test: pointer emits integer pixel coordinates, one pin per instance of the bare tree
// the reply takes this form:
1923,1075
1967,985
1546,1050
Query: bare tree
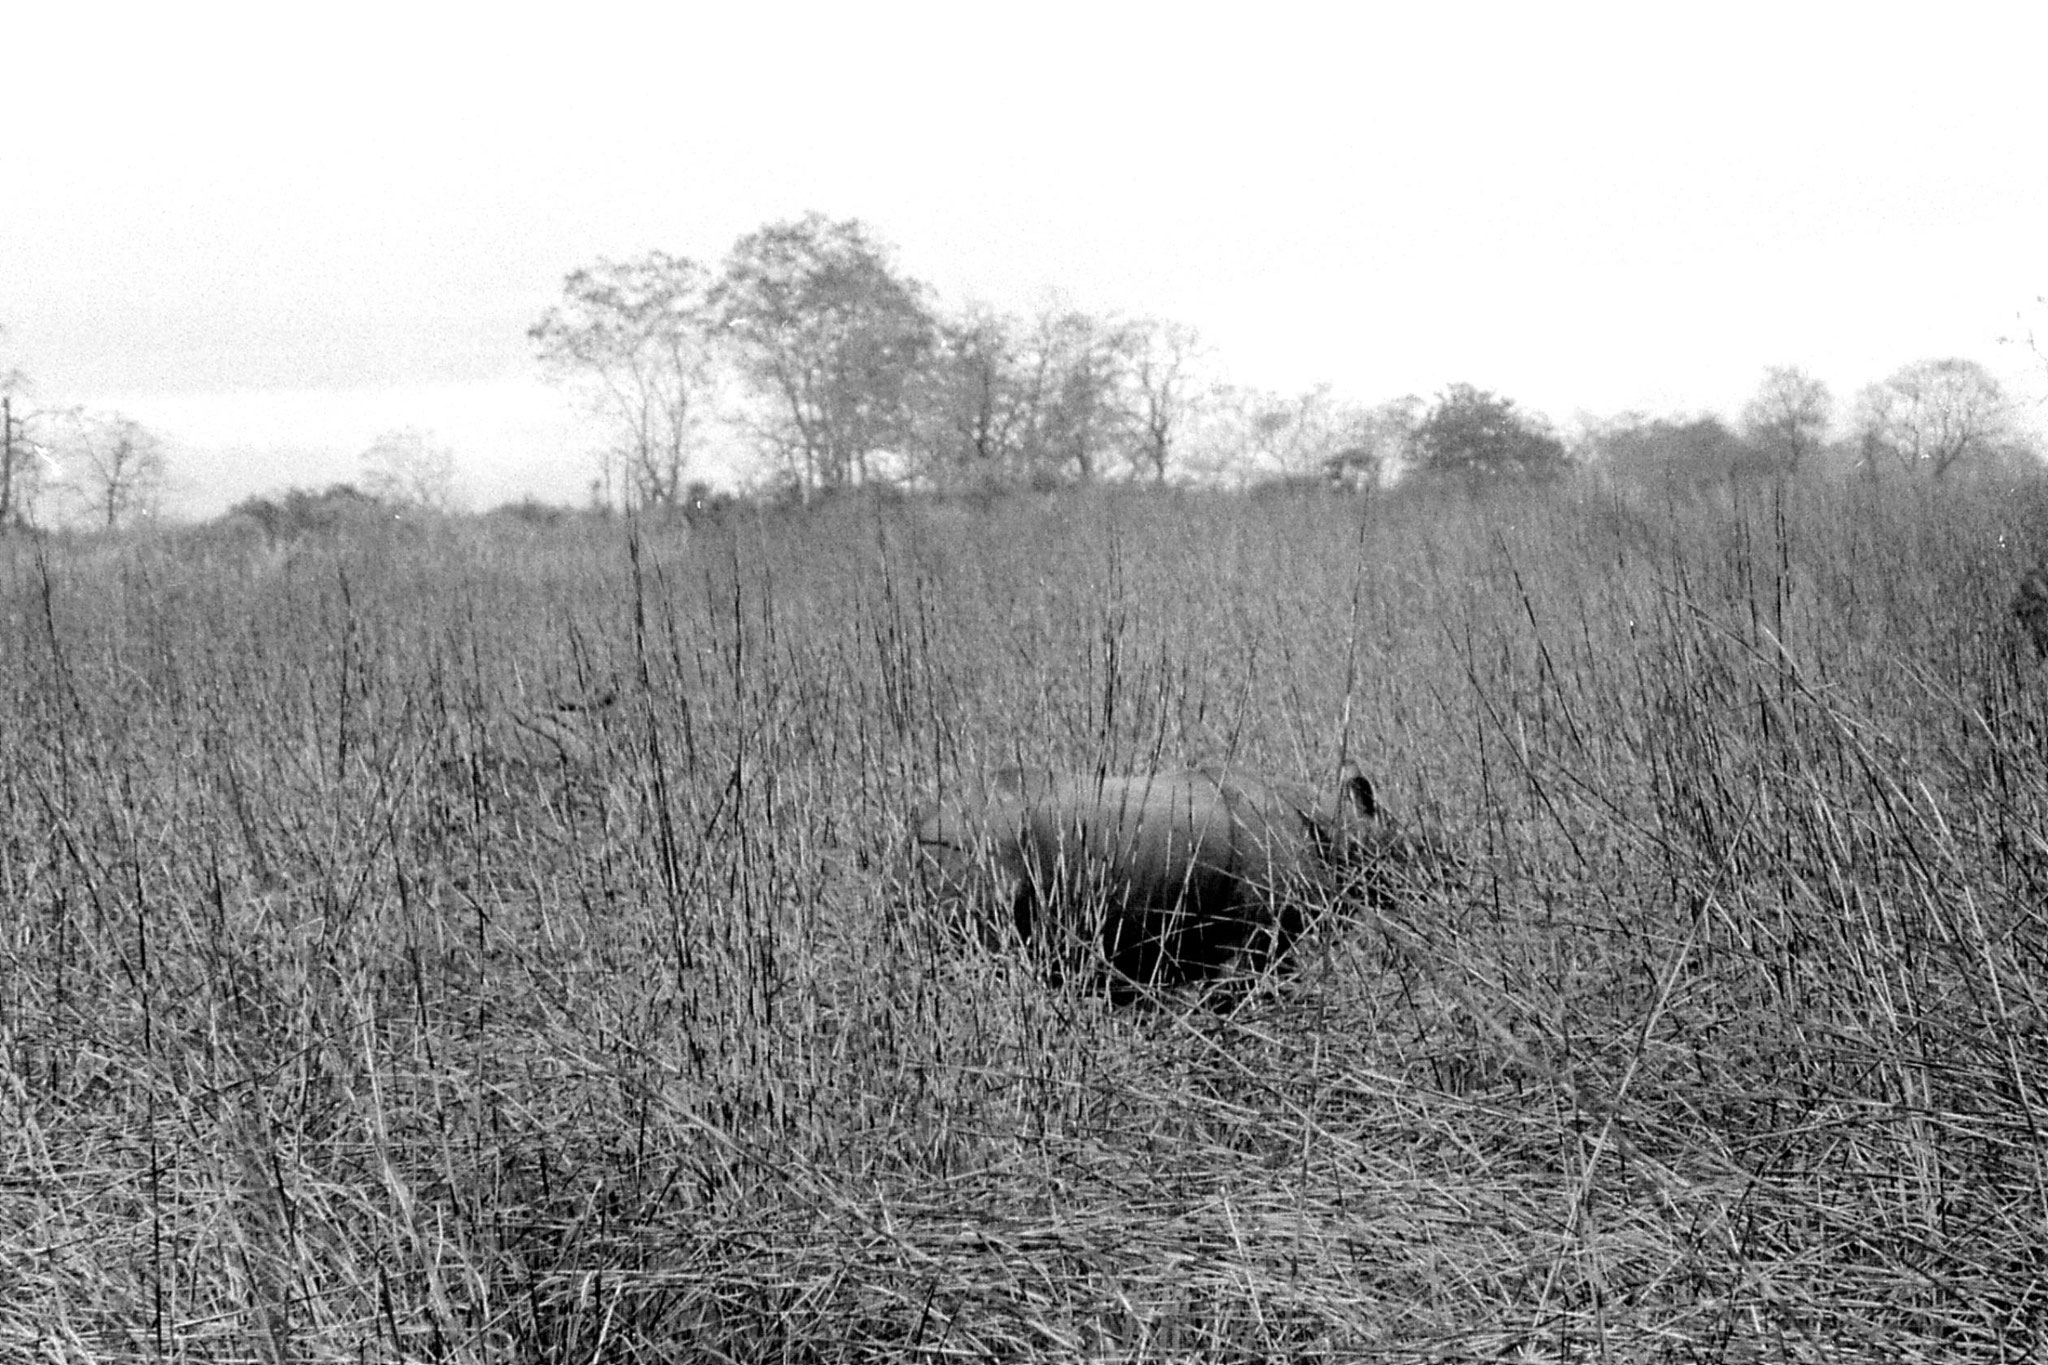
636,334
1788,418
1292,434
17,466
1308,436
1161,391
1080,372
1931,416
1053,400
834,339
973,406
21,457
408,467
114,465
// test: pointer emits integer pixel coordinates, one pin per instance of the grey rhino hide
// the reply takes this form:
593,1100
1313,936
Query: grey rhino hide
1161,878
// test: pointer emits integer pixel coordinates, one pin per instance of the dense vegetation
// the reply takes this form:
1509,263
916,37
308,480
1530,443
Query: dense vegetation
358,1003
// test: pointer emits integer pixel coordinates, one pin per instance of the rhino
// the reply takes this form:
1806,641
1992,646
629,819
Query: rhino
1156,879
2030,606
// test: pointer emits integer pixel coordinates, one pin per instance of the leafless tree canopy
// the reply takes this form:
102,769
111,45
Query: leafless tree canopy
637,335
1062,397
1788,418
1162,393
113,465
828,330
21,458
409,468
1931,417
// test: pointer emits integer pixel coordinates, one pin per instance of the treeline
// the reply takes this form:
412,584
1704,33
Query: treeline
811,346
840,371
1930,420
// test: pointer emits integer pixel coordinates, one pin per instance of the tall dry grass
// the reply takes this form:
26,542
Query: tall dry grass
356,1002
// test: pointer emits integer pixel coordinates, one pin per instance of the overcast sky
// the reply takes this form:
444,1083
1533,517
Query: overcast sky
273,233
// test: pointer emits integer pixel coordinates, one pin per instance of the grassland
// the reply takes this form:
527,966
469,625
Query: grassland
355,1005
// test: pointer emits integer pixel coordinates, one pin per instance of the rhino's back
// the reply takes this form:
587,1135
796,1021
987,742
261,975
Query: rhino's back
1169,876
1151,836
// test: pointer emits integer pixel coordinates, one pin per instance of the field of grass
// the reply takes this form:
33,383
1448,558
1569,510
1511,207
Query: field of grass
354,1005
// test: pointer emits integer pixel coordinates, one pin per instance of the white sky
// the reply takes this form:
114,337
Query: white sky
273,232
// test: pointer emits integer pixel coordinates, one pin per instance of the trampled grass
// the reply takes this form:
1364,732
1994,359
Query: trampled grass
356,1003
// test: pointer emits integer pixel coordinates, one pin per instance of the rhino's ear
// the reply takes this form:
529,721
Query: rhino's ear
1355,799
